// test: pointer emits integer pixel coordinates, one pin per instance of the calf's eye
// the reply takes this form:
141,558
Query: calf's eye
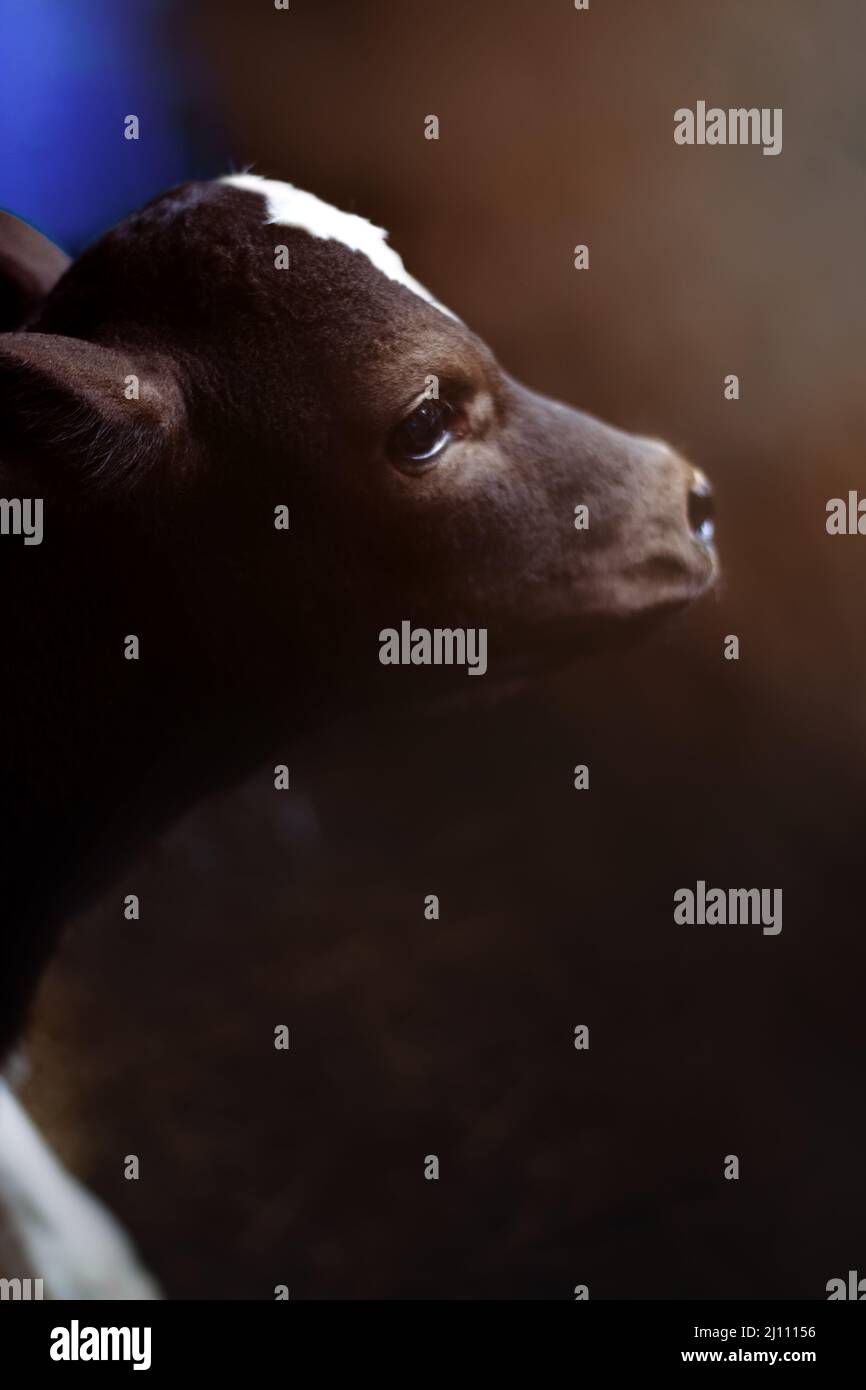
424,433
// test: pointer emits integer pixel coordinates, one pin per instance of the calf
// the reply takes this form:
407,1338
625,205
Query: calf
258,446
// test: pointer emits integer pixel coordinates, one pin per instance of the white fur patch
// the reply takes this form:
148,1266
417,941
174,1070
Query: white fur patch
52,1228
292,207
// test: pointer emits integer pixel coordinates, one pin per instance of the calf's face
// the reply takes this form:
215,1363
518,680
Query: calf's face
237,347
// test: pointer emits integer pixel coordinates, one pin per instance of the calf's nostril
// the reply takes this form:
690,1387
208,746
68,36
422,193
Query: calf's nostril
701,508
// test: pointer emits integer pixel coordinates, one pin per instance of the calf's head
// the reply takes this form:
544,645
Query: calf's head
238,347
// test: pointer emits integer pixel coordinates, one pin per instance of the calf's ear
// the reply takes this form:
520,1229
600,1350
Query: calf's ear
30,266
92,416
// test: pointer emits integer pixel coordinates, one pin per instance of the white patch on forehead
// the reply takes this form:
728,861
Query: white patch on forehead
52,1228
292,207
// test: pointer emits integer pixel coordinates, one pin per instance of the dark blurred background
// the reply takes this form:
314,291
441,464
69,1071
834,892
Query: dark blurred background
455,1038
